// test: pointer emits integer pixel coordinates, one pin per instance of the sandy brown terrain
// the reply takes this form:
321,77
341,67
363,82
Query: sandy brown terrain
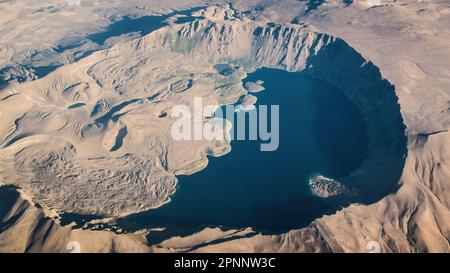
93,158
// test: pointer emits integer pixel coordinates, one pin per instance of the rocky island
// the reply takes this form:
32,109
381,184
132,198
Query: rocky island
325,187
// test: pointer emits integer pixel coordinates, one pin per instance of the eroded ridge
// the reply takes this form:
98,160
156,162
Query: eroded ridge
113,154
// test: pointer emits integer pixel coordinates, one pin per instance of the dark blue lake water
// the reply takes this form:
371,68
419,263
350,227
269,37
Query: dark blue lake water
321,132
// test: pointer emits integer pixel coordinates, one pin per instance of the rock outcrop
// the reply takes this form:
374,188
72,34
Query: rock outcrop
125,87
326,187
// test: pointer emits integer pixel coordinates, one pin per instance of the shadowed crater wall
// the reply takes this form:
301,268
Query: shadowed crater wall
249,46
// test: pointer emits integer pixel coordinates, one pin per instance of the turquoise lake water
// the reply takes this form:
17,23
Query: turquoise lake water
321,132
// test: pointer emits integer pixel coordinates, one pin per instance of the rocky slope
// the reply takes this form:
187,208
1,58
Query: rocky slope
414,218
122,91
407,41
